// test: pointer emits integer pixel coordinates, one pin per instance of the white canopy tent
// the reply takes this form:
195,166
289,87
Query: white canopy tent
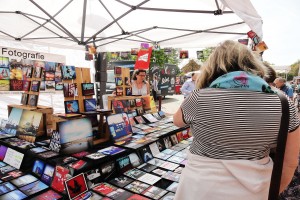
118,25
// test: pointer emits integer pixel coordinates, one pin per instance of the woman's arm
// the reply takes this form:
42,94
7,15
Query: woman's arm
290,161
178,119
148,88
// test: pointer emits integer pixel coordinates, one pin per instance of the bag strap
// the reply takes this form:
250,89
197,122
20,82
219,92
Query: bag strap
280,149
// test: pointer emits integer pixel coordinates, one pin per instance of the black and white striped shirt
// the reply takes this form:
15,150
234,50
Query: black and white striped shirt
234,124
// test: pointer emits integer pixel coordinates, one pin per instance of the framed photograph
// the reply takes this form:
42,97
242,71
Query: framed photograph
119,91
48,174
16,85
38,168
128,91
33,99
26,86
90,105
37,72
68,72
59,86
76,186
119,81
70,90
24,99
118,70
35,86
4,85
49,76
4,73
4,62
87,89
50,66
183,54
71,106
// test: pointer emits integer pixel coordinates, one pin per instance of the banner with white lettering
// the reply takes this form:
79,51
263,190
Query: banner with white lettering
20,54
143,60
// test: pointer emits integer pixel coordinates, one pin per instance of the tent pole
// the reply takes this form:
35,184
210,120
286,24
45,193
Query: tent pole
7,34
111,15
123,15
83,20
42,25
51,17
182,10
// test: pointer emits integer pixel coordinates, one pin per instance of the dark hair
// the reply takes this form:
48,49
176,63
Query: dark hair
137,72
193,74
271,73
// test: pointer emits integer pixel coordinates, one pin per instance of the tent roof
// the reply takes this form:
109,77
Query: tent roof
117,25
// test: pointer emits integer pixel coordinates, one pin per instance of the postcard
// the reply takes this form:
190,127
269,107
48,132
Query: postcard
104,188
68,72
15,195
112,150
149,178
154,192
23,180
137,187
33,188
121,181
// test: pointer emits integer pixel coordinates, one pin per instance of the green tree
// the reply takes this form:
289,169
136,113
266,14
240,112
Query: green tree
295,68
206,53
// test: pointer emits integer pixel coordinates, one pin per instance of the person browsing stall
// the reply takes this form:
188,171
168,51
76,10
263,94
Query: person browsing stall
280,83
189,85
154,87
139,85
234,116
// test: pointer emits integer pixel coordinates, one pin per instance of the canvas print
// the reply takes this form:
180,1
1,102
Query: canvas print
4,73
35,86
90,105
75,135
50,66
4,85
87,89
70,90
68,72
42,86
76,186
71,106
29,122
16,85
13,121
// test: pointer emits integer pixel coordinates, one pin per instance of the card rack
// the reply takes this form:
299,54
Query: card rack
123,74
82,76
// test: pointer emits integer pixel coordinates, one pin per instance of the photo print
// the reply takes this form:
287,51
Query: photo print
70,90
68,72
71,106
90,105
87,89
76,186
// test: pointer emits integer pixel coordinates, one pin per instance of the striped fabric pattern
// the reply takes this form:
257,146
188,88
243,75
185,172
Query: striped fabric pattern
234,124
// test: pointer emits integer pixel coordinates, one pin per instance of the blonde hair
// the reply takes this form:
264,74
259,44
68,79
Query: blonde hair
229,56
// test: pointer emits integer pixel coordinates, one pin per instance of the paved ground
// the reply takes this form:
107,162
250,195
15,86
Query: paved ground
169,105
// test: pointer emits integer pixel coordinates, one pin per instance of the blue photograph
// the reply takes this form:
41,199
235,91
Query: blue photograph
50,66
90,105
38,168
6,187
71,106
48,174
68,72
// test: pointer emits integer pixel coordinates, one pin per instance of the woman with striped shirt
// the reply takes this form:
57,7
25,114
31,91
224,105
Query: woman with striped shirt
234,117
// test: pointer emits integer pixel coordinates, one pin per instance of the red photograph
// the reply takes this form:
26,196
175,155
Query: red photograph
76,186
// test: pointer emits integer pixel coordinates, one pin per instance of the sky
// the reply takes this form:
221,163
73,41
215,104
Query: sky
281,28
